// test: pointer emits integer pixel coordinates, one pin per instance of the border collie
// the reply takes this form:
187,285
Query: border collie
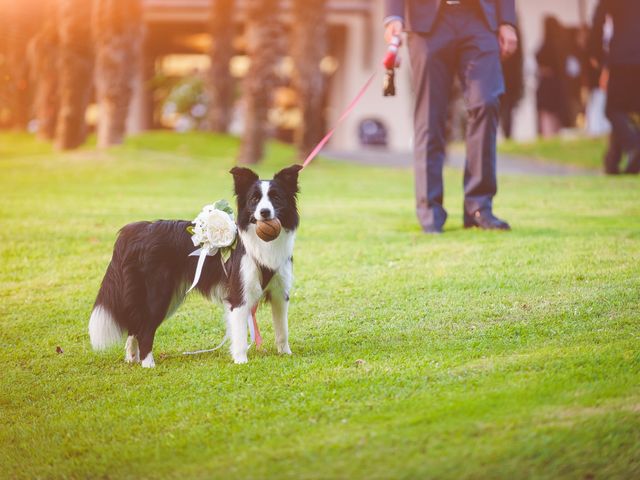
150,271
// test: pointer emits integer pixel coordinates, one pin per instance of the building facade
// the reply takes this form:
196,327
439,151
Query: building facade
179,28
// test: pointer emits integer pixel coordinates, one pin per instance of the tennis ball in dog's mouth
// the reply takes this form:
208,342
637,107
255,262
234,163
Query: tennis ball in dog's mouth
268,230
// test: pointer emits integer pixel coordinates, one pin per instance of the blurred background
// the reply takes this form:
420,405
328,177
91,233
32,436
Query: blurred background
263,69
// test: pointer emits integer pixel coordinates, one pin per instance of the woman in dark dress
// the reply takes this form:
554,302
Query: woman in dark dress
551,98
512,69
623,92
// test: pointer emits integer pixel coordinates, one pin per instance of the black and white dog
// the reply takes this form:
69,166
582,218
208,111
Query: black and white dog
150,271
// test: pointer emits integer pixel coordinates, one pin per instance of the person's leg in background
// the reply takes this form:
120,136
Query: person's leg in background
619,112
432,70
506,119
550,124
480,72
613,156
627,137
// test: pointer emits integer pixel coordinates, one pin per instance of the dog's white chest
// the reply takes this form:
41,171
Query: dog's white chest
272,255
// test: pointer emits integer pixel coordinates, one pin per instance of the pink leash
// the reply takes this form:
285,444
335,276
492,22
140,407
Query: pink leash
307,161
344,115
258,338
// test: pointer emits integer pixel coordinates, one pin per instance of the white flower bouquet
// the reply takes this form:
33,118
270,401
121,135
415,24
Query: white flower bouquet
214,230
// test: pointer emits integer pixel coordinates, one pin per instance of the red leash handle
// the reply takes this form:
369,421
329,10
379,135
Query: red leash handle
392,59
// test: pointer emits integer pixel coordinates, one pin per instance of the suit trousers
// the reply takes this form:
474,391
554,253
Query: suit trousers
623,101
461,44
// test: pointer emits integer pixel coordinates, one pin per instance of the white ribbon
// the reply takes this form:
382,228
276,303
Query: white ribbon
201,253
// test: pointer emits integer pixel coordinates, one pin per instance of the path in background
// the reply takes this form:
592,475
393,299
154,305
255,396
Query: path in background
506,163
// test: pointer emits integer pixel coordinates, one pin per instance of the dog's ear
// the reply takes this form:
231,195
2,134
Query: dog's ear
243,178
288,177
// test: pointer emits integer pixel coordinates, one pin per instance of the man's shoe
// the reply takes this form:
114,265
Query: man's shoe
485,220
633,167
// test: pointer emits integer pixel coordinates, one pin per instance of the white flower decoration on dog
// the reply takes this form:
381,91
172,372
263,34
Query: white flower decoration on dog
213,230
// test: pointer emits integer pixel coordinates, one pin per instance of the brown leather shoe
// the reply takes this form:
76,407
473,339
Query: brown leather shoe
486,220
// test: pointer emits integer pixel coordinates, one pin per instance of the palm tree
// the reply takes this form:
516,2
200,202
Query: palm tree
18,26
308,48
43,66
220,83
117,33
75,67
263,34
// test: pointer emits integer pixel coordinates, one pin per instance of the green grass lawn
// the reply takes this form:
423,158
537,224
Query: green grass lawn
467,355
579,152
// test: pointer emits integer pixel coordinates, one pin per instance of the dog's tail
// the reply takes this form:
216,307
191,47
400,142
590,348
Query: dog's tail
117,305
103,328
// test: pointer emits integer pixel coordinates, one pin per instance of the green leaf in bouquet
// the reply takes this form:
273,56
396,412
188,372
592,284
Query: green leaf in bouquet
224,206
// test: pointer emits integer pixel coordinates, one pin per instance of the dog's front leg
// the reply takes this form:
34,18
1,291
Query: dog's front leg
237,319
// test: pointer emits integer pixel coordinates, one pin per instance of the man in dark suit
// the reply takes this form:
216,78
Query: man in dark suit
623,90
447,38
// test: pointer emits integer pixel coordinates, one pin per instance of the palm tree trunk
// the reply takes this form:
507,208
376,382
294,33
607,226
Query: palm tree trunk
220,83
263,36
16,32
308,48
43,65
75,66
117,30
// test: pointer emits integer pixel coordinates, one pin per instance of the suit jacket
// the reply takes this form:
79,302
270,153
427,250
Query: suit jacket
624,48
420,15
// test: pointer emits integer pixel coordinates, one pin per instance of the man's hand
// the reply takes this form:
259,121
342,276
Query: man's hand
508,38
393,28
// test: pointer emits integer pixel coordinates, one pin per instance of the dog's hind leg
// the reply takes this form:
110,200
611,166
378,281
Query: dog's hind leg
160,299
279,295
132,350
279,311
146,344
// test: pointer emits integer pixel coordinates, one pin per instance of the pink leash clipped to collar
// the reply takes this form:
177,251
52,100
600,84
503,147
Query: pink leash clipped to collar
307,161
256,329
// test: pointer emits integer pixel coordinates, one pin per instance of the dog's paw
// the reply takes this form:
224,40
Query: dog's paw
239,353
240,358
148,361
132,350
131,359
284,349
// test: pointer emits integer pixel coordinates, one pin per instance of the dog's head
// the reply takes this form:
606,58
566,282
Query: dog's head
267,199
